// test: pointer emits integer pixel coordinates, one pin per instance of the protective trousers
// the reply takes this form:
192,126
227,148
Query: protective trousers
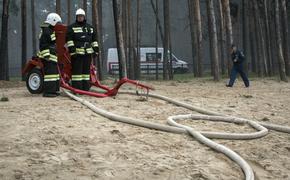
238,68
51,77
81,72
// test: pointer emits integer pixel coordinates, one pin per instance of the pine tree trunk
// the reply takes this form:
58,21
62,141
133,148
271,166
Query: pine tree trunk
282,72
252,35
170,69
285,31
85,5
222,38
138,43
252,62
95,23
120,40
263,46
268,38
100,38
193,37
213,39
246,34
58,7
261,35
24,35
130,41
156,40
258,39
273,40
229,30
125,29
33,27
4,65
210,37
166,40
155,10
263,43
68,12
98,26
198,30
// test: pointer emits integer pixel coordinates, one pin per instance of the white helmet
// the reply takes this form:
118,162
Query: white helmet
53,19
80,12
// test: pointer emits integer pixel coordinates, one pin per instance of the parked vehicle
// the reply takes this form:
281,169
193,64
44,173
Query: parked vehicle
147,61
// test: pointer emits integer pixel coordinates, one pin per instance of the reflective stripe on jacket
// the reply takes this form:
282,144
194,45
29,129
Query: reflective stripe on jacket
81,39
47,46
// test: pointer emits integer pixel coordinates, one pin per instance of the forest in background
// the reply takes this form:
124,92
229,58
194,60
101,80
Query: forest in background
199,32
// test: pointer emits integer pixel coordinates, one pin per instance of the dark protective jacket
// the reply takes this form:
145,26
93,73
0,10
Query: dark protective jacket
47,44
81,39
238,57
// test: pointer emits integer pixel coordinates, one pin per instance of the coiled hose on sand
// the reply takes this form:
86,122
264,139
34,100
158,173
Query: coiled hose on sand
202,137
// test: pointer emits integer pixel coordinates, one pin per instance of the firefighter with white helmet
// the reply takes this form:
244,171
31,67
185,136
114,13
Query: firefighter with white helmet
80,12
82,44
53,19
47,47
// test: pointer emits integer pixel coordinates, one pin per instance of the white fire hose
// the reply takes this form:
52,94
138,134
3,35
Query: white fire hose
201,136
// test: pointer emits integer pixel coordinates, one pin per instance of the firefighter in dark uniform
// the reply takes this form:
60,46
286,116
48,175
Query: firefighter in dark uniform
238,59
82,44
47,47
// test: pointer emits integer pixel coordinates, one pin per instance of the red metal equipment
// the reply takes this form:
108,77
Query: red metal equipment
34,69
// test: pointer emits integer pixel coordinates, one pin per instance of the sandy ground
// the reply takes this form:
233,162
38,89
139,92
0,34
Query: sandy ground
59,138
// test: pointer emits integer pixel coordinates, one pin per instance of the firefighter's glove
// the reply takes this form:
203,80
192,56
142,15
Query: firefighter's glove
73,55
96,49
72,51
95,55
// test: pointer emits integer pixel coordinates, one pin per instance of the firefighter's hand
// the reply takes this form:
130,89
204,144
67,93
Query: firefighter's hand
95,55
46,57
73,55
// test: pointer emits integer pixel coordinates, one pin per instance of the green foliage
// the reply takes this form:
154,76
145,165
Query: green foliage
4,98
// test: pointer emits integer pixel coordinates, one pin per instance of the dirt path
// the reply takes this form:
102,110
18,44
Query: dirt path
60,139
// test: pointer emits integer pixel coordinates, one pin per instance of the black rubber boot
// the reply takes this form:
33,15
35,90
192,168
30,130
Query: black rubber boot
49,95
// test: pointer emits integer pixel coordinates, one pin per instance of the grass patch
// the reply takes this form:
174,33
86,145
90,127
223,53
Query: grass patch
4,99
247,96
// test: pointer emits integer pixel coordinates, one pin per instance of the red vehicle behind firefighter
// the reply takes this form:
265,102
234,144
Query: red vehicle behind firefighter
35,73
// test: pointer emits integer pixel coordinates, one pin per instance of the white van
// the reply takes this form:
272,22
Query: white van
147,61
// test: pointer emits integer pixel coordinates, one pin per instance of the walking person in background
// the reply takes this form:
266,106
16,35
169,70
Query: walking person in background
238,58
